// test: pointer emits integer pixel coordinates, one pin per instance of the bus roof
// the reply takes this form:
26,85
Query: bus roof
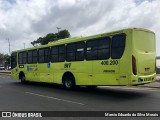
80,38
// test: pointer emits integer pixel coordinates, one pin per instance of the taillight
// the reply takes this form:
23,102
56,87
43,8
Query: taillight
134,67
155,66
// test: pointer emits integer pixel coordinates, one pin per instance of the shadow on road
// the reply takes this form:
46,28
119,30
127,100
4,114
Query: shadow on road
99,92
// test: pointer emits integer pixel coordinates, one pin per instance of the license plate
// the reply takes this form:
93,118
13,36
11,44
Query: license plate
147,69
147,79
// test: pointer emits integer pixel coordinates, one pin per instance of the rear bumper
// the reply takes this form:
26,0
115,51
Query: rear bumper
139,79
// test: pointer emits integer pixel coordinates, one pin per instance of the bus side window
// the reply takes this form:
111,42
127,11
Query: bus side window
20,56
41,56
80,47
91,49
98,49
118,46
54,54
44,55
71,52
58,53
24,58
61,53
103,48
47,55
75,51
35,56
29,58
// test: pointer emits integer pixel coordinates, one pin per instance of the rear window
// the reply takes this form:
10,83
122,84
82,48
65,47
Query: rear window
144,41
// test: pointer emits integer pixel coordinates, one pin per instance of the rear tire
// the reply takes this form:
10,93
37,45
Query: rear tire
69,82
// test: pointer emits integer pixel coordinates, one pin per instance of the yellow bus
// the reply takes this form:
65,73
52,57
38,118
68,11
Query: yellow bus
123,57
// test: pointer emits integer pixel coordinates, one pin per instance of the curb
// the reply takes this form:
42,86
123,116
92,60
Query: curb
150,87
6,72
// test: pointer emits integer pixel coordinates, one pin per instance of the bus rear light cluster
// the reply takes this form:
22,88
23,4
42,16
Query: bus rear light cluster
155,66
134,67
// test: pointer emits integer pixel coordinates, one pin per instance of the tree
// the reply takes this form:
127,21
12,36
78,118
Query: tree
51,37
4,59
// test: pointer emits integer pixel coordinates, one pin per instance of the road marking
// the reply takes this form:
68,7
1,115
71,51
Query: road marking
54,98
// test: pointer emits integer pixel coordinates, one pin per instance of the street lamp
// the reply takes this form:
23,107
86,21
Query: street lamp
58,32
58,29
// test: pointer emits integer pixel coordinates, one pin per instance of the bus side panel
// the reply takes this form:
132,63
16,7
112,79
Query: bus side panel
106,79
45,74
15,74
56,72
105,72
31,72
125,61
81,71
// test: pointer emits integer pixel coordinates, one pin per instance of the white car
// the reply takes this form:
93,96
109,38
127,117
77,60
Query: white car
2,67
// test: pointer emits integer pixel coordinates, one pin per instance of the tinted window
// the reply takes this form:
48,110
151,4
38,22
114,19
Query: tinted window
35,56
98,49
20,55
80,51
58,53
22,58
13,60
41,56
71,52
103,48
75,51
61,55
54,54
44,55
29,57
47,55
118,46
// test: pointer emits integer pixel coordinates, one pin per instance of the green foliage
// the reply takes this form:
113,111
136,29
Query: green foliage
5,58
51,37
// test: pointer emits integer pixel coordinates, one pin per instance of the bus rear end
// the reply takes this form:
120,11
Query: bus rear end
143,57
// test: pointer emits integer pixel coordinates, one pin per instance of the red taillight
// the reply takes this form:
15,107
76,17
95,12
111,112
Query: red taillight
134,67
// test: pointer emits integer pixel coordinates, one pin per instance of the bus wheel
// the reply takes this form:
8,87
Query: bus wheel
23,79
69,82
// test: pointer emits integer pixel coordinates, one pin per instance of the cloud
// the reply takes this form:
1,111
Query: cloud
25,21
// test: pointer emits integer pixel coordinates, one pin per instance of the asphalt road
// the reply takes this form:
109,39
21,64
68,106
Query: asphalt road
15,96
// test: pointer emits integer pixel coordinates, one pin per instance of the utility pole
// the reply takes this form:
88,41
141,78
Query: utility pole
24,45
9,46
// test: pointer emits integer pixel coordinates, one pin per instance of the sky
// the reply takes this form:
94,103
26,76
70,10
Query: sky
23,21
